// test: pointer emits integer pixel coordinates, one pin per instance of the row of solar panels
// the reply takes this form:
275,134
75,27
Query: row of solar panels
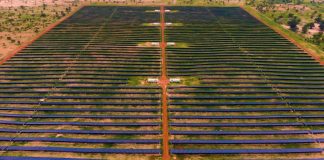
246,83
70,62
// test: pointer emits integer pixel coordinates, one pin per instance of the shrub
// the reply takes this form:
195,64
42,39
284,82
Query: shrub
42,14
306,27
62,14
318,19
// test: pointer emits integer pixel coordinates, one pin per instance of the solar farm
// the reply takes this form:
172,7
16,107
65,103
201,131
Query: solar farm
81,90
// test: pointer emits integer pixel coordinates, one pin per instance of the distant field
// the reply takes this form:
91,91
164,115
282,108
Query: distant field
81,90
35,3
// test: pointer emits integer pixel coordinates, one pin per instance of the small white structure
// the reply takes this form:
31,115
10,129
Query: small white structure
168,23
153,80
171,43
155,43
42,100
175,80
157,10
155,24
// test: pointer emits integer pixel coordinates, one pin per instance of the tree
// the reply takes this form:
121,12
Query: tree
318,38
305,28
313,14
293,22
44,5
318,19
298,2
62,14
68,9
264,5
311,25
42,14
321,25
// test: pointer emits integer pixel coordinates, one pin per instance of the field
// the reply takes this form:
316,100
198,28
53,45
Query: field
81,90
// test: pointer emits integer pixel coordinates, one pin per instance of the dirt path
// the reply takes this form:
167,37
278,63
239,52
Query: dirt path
164,85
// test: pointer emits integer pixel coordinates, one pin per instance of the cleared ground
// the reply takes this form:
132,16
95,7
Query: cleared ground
80,91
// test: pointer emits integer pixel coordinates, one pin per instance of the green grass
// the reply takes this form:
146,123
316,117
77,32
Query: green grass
187,81
108,145
180,45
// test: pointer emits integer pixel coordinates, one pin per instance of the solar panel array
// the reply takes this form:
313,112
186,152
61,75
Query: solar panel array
245,91
72,90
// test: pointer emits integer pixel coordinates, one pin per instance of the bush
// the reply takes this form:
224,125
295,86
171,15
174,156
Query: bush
306,27
42,14
311,25
62,14
318,19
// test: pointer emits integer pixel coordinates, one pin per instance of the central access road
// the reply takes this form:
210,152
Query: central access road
164,85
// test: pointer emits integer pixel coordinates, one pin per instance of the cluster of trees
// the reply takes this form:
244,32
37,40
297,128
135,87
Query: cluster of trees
292,20
317,39
294,16
266,5
10,40
271,2
318,20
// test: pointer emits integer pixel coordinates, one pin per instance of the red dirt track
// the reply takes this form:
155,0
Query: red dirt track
164,84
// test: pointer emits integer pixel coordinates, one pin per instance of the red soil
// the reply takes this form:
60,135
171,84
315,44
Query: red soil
164,84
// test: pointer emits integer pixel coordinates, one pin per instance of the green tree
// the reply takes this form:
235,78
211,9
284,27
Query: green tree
318,38
318,19
293,22
321,25
305,28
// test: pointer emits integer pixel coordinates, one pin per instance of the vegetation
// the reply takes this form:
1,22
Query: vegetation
301,16
209,2
18,25
305,42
